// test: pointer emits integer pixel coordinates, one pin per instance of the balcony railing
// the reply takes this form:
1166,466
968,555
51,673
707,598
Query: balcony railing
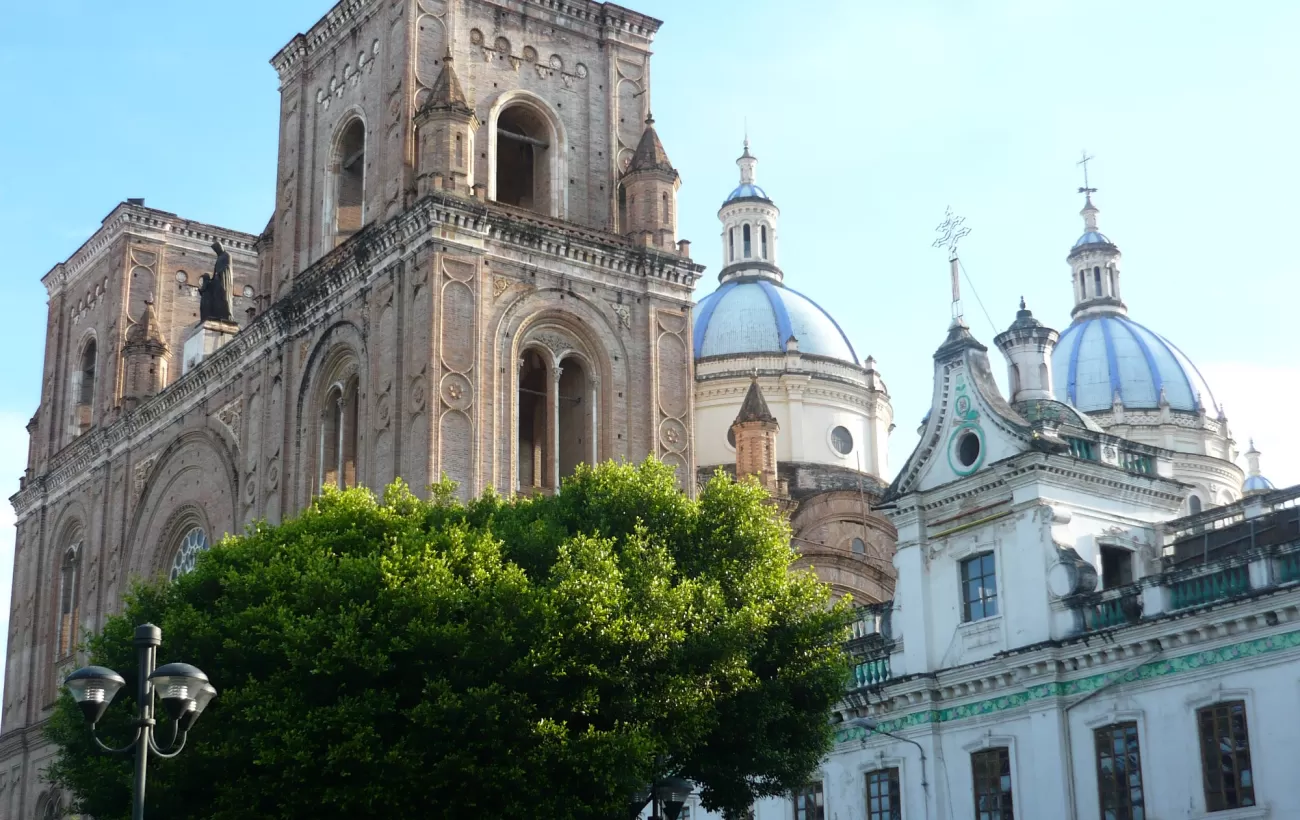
870,643
1264,568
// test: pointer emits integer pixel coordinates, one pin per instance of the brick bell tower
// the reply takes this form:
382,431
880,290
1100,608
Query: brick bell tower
650,184
755,430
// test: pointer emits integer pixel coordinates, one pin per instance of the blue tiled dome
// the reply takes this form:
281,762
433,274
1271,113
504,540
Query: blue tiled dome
1256,484
758,316
747,189
1099,356
1093,238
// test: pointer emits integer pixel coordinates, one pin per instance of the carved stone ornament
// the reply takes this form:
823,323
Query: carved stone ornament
556,343
230,415
624,314
140,475
500,285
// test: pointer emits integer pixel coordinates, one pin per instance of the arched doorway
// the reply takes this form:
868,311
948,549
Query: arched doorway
531,435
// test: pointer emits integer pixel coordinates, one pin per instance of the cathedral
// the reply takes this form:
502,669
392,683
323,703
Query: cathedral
473,270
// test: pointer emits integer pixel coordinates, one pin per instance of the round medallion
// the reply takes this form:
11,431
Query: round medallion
557,62
385,411
476,37
418,390
673,434
248,291
456,391
963,405
530,54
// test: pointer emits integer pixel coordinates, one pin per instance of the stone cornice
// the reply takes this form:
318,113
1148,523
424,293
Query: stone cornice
150,222
1176,644
368,254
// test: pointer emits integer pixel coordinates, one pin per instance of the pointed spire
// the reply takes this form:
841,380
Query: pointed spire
446,92
748,165
145,330
650,154
754,408
1089,214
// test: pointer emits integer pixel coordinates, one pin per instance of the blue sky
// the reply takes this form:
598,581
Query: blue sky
868,118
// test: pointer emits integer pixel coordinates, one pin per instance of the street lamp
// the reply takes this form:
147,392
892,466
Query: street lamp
668,793
184,690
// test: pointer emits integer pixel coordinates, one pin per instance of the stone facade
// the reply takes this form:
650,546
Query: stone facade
481,318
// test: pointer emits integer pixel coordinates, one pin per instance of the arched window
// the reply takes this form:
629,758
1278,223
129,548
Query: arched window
194,541
460,152
1015,380
1193,504
83,412
534,448
1096,280
69,599
667,210
762,235
1083,286
859,547
731,245
745,239
50,807
576,417
1110,274
337,463
523,159
349,181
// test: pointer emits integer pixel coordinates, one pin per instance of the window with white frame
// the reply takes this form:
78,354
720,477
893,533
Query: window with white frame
991,776
979,587
1225,756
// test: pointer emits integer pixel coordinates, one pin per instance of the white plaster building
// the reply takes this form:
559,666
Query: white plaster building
1058,647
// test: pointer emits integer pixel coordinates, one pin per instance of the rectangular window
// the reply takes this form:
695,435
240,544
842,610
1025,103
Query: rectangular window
745,239
808,803
762,233
1116,567
731,245
884,801
1225,756
1119,772
992,778
979,588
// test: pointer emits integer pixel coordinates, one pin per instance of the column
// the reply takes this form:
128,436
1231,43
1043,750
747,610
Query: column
593,389
553,426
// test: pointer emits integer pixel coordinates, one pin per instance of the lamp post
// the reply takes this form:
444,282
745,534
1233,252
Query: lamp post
184,690
668,793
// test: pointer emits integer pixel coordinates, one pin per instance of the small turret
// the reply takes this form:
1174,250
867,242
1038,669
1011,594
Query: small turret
749,220
1028,346
145,358
755,430
1094,266
445,127
1255,483
650,186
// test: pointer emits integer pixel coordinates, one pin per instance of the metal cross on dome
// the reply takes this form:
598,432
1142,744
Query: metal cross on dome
950,231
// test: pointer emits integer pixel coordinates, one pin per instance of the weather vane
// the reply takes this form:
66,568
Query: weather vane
950,231
1084,162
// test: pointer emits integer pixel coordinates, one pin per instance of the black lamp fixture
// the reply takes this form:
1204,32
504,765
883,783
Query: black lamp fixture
183,689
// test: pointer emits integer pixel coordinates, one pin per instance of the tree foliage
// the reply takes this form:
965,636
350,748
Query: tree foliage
526,657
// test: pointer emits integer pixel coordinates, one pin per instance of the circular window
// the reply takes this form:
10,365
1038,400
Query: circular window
968,448
859,547
182,277
731,437
194,542
842,440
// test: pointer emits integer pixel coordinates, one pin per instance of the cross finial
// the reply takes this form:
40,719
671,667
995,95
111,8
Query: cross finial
950,231
1083,161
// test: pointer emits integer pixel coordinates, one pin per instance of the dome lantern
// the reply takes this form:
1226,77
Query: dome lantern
749,228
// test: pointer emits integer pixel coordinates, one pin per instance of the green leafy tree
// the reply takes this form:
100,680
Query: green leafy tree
530,657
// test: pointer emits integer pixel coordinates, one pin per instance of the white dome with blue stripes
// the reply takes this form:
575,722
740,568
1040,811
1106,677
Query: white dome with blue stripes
758,316
1099,357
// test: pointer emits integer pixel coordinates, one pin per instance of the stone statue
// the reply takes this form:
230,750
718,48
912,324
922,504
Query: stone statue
215,291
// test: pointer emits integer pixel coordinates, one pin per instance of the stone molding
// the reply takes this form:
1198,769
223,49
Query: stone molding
367,256
123,220
1047,671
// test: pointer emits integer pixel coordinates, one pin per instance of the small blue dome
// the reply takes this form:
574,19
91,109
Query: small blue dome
1092,238
747,189
758,316
1099,356
1257,484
